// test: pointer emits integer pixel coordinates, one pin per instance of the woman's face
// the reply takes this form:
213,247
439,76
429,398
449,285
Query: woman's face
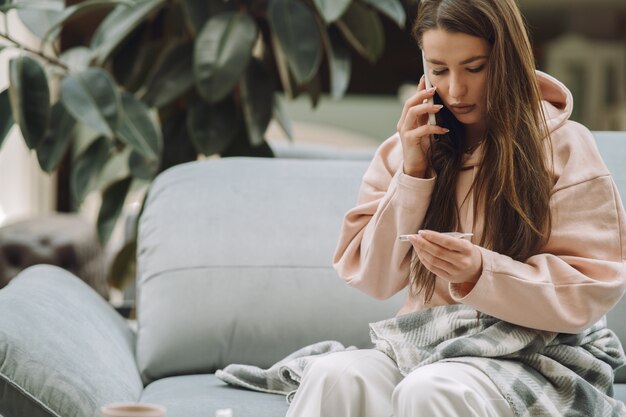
457,66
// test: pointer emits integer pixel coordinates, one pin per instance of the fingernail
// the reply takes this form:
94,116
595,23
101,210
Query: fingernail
446,130
438,106
432,89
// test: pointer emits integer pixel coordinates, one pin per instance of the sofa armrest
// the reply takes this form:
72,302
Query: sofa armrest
64,351
611,147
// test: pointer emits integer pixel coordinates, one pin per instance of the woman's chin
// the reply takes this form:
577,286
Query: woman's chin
468,119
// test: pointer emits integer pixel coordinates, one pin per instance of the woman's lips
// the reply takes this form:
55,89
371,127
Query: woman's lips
462,108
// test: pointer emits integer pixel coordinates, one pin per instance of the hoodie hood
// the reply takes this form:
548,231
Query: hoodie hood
556,100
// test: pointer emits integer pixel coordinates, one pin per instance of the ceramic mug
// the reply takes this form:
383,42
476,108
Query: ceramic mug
132,410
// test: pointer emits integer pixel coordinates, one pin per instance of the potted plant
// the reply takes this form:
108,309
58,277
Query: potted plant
161,82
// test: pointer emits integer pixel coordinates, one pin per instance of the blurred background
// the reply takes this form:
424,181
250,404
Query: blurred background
581,42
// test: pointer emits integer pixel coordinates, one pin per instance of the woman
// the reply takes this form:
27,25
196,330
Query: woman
503,163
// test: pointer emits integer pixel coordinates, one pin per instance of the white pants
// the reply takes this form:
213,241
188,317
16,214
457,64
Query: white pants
367,383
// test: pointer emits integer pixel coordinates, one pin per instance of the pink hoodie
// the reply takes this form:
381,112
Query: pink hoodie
575,279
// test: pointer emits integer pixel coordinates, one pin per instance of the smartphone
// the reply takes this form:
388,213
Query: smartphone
432,120
458,235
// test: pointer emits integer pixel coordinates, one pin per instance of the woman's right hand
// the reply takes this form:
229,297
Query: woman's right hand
415,132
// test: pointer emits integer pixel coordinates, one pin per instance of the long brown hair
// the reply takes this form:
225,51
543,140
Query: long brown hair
513,183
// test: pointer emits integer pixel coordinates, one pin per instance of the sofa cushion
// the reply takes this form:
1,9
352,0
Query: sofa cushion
64,351
202,395
235,264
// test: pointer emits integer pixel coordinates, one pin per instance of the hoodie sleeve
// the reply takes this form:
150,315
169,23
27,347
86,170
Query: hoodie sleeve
580,274
369,255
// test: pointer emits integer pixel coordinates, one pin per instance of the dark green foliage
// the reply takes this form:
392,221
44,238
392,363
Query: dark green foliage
164,81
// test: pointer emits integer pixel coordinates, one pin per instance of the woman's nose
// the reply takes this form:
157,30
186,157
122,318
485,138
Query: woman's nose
458,87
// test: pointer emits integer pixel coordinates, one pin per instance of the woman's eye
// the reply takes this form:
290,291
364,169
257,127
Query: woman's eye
476,69
438,72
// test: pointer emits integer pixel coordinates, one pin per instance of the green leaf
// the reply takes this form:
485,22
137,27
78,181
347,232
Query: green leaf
83,137
282,118
213,126
314,88
198,12
119,24
55,143
77,58
257,101
363,29
339,63
138,129
30,98
391,8
296,30
339,60
81,9
6,5
6,118
141,167
221,54
87,167
90,96
331,10
115,168
171,76
113,199
286,79
124,267
39,16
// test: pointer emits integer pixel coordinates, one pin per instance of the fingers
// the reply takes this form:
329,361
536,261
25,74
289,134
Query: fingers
418,98
417,116
422,131
436,265
437,252
449,254
434,268
419,113
444,240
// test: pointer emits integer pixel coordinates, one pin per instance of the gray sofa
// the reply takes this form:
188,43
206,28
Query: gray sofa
234,266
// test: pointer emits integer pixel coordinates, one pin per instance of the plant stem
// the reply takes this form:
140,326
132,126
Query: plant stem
50,59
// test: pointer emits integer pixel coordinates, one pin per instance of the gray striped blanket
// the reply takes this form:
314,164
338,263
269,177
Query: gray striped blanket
284,376
540,373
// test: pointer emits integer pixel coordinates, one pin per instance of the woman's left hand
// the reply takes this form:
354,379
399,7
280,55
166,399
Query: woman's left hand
450,258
